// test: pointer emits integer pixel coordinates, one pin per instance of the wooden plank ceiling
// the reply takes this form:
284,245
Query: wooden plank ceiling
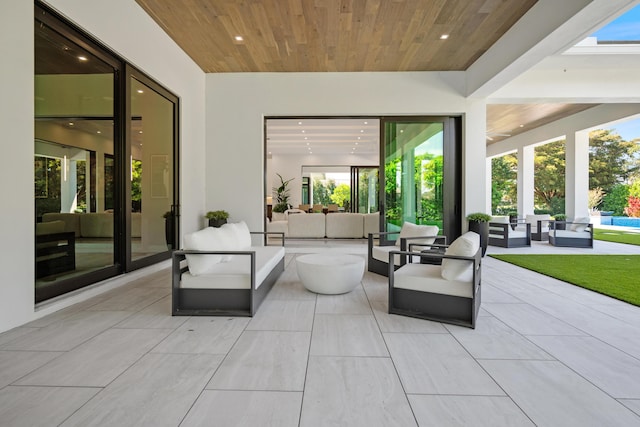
335,35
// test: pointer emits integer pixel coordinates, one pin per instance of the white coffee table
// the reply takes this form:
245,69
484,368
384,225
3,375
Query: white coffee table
330,274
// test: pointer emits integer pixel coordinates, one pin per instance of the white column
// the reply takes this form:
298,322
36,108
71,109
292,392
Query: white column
577,174
526,173
489,184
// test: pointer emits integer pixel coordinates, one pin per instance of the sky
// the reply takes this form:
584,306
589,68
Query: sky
627,130
626,27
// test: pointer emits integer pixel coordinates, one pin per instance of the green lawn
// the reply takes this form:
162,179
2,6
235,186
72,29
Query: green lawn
617,236
617,276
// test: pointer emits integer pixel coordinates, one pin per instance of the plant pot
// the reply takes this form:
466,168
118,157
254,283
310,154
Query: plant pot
482,228
169,232
513,220
217,222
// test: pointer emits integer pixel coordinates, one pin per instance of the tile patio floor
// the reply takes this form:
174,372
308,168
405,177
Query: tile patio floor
544,353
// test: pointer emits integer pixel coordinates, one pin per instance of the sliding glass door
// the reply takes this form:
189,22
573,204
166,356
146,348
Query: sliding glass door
364,189
421,173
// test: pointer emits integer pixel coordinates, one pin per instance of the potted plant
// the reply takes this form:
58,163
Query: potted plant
217,218
560,217
513,219
168,228
479,223
281,195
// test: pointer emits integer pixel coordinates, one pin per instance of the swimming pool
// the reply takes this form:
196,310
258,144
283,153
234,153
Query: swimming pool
620,220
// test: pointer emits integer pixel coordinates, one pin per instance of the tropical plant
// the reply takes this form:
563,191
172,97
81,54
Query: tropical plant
341,195
560,217
616,199
633,207
595,198
282,195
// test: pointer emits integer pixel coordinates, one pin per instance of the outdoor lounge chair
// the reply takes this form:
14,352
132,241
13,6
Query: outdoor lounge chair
509,235
448,293
572,234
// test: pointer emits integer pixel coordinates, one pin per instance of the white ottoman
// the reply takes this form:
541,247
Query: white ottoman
330,274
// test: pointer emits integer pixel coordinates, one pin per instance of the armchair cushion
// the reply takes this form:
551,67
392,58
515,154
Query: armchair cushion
412,276
466,245
580,224
413,230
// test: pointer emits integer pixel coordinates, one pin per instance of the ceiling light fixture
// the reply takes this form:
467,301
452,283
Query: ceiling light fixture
70,123
82,58
302,130
366,123
140,91
299,123
99,131
361,130
239,38
444,36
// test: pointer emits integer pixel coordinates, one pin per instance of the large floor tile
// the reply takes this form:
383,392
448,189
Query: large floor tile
493,294
492,339
354,391
41,406
633,404
396,323
347,335
16,364
15,333
156,316
459,411
212,335
67,333
264,360
610,369
245,409
354,302
438,364
289,287
98,361
283,315
553,395
529,320
133,299
157,391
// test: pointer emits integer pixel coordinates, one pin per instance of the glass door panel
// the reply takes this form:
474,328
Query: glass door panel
151,171
364,187
413,173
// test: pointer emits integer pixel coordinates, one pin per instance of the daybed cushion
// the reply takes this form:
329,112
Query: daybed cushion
572,234
236,273
502,219
427,278
208,239
50,227
580,224
455,269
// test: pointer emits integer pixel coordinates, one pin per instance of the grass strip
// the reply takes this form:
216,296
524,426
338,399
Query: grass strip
614,275
617,236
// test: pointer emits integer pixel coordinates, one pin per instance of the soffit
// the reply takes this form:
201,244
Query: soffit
335,35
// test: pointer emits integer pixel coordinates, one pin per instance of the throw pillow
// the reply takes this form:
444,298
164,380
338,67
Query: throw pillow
413,230
580,224
241,235
456,269
208,239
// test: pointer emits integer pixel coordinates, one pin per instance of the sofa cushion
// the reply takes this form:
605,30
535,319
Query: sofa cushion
381,253
371,223
50,227
344,225
413,230
208,239
501,219
456,269
580,224
306,225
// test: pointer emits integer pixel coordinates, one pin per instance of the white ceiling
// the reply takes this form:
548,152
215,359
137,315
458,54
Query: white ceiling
323,136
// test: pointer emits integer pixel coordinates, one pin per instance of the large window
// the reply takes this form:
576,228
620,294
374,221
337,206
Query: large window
85,161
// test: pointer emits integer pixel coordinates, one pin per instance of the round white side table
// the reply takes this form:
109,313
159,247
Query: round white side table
330,274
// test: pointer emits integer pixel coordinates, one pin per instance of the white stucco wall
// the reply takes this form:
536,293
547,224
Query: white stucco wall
124,27
238,103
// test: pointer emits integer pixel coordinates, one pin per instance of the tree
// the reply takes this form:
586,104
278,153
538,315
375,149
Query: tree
616,199
549,167
341,195
322,191
504,173
611,159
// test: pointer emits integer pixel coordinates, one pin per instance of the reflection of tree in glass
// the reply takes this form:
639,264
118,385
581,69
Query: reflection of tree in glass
341,196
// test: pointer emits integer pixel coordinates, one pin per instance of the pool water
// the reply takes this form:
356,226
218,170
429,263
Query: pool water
622,221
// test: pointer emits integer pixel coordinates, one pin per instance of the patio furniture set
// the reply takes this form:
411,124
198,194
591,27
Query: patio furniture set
541,228
221,273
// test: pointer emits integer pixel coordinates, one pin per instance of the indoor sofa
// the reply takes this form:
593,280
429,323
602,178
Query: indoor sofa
221,273
301,225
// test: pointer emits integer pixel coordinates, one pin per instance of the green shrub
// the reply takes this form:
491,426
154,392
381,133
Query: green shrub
616,199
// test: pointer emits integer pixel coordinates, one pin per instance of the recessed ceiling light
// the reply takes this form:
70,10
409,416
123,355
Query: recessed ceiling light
366,123
70,123
306,137
239,38
444,36
299,123
356,143
358,137
99,131
521,126
140,91
361,130
139,131
82,58
303,131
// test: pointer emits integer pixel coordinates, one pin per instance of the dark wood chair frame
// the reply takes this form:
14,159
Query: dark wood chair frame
221,302
569,242
450,309
504,241
539,235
